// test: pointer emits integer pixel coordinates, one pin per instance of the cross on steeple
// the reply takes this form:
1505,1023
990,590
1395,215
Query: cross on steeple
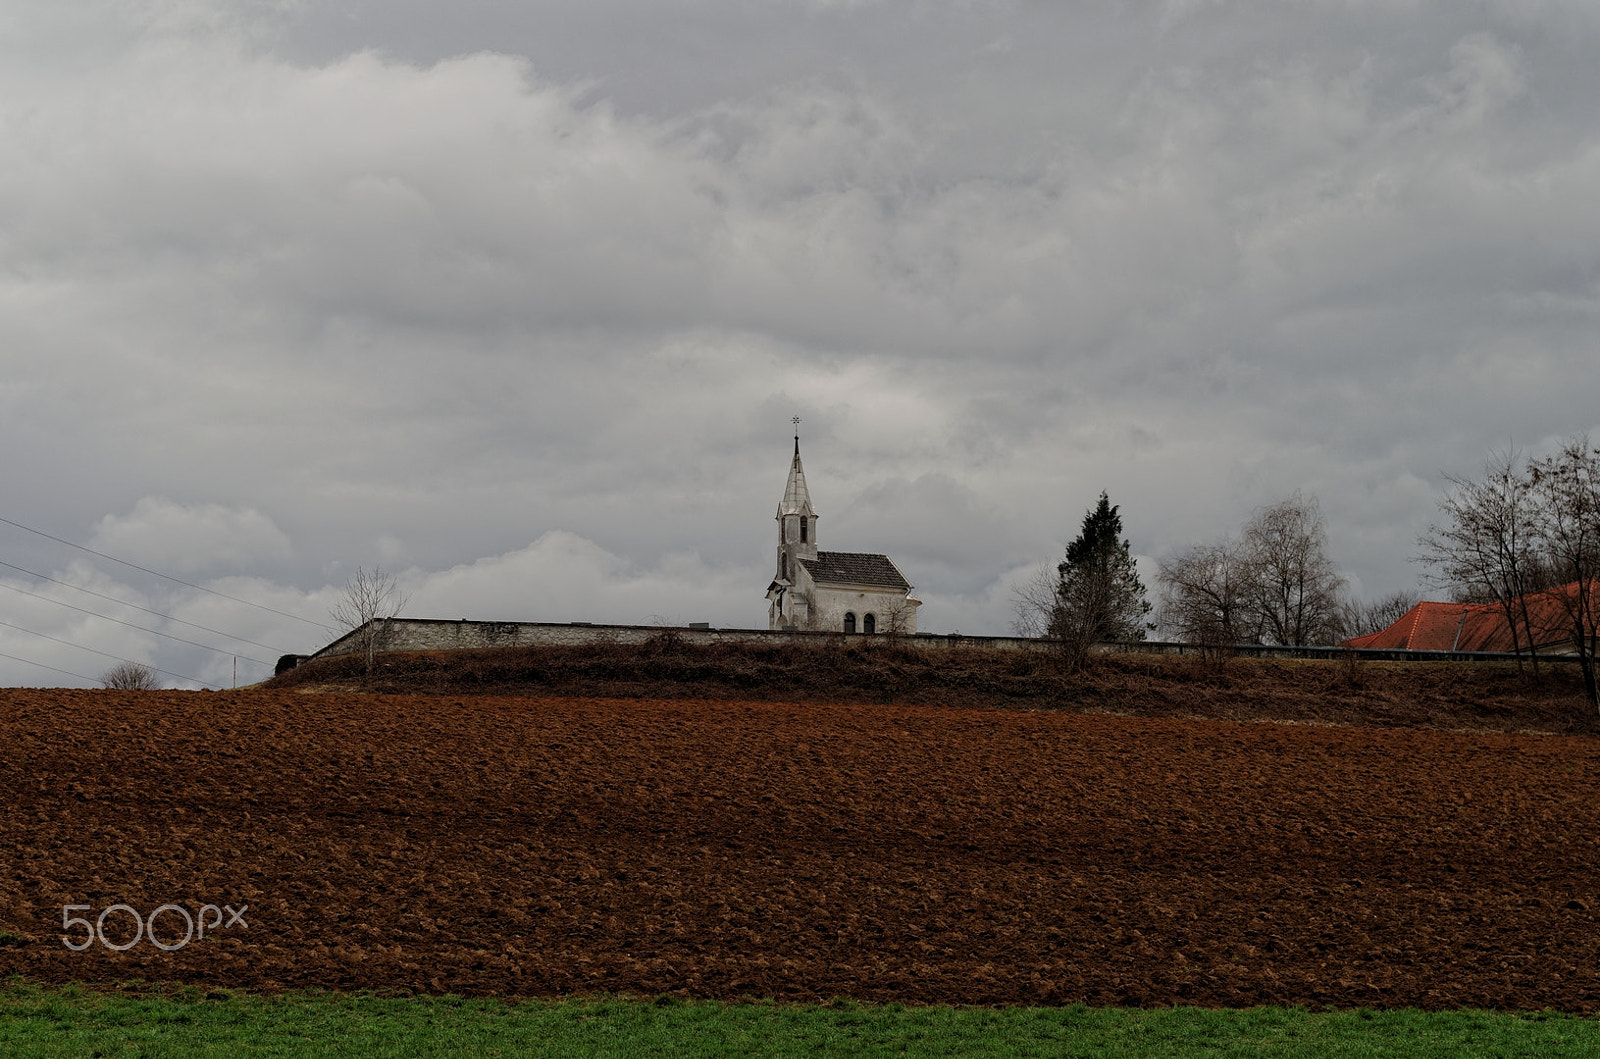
796,500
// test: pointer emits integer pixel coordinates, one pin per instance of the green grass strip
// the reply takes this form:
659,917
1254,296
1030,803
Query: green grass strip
36,1021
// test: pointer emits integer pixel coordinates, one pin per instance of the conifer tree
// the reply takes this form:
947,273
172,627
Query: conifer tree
1099,596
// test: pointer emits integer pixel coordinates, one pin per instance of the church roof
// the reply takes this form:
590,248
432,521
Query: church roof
856,568
796,499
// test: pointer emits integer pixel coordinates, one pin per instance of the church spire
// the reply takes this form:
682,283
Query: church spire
797,522
796,499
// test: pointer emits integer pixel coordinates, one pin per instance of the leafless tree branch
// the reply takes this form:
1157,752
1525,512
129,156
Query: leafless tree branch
130,676
369,600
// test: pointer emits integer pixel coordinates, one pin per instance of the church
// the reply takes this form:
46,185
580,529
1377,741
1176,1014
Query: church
851,592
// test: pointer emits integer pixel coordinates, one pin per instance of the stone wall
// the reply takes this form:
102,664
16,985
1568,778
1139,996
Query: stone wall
428,634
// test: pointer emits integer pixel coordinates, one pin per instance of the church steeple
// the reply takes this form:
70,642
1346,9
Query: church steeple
797,520
796,499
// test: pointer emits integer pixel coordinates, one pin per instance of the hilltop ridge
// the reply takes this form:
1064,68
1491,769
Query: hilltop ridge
1476,696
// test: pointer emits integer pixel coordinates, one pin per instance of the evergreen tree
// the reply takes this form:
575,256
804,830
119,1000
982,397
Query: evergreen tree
1099,596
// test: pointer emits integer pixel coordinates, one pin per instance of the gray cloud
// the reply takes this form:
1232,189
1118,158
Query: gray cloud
464,288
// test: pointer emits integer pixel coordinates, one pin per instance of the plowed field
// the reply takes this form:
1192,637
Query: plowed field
524,846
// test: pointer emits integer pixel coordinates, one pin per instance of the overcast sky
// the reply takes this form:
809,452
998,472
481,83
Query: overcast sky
517,299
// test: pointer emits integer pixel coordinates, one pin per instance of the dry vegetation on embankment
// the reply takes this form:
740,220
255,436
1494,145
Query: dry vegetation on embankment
1449,695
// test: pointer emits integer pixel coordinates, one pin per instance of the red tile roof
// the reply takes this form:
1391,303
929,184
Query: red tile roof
1473,626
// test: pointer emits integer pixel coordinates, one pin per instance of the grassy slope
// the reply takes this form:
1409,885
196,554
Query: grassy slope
36,1022
1484,696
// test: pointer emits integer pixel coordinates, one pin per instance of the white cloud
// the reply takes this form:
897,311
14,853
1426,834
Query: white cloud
186,538
563,577
69,626
201,634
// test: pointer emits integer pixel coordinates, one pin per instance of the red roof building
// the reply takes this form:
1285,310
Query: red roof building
1481,626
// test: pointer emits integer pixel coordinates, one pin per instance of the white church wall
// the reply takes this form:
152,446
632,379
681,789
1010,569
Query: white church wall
832,604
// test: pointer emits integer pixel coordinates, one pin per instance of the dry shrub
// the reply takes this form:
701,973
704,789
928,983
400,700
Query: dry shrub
1350,669
130,676
1208,668
1025,664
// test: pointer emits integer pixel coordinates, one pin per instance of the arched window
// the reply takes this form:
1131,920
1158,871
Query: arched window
869,624
850,622
786,568
803,522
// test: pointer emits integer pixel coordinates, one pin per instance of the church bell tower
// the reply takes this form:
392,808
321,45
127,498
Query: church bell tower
797,540
797,521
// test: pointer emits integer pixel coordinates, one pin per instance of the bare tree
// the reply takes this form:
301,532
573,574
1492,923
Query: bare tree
368,602
1358,619
1033,603
897,617
1293,586
130,676
1206,596
1566,491
1486,546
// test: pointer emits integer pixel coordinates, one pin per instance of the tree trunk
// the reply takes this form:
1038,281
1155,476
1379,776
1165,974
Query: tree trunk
1583,627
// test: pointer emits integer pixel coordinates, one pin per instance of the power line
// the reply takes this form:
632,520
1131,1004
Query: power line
135,606
129,624
91,650
53,669
158,573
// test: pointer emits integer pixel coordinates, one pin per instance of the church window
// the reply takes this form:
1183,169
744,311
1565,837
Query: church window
786,568
803,530
850,622
869,624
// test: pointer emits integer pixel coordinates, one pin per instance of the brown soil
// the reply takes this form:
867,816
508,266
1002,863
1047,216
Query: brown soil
1451,695
539,846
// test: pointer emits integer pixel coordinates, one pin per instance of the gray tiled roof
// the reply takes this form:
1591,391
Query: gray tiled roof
855,568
